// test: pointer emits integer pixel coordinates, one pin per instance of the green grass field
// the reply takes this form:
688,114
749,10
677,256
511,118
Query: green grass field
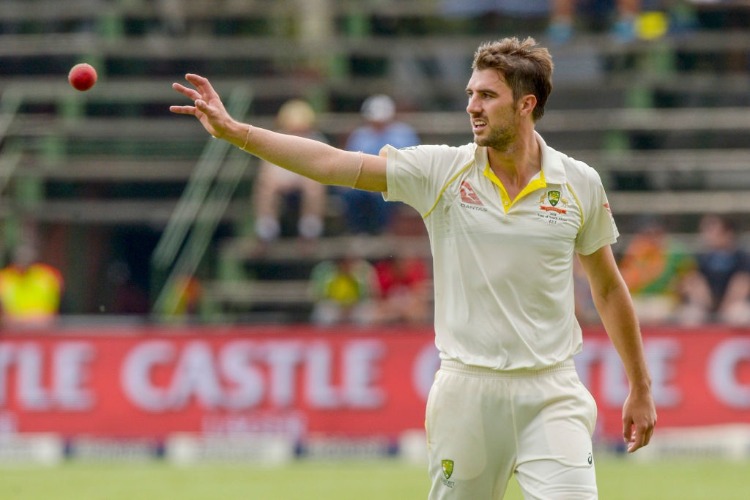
354,480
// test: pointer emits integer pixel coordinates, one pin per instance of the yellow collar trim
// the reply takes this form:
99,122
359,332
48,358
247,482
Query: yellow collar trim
537,182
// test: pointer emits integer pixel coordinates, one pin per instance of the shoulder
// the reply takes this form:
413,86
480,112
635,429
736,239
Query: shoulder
443,151
433,156
577,172
559,168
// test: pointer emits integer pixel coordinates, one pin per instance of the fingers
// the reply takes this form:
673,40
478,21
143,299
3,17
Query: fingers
183,110
200,105
202,90
191,94
195,79
206,107
203,86
637,436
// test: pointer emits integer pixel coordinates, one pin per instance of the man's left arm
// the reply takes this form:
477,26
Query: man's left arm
615,307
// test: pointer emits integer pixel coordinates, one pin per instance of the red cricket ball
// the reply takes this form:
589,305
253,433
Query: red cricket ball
82,76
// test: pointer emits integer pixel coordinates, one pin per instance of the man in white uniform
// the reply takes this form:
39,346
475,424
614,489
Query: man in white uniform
506,217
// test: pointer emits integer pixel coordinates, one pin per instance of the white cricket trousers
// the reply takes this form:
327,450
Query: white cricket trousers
485,425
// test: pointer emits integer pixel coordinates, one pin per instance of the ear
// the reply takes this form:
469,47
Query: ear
526,104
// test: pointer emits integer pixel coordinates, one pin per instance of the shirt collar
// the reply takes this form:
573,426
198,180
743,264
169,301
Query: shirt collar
552,164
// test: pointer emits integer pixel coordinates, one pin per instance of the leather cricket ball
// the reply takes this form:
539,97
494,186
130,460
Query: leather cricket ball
82,76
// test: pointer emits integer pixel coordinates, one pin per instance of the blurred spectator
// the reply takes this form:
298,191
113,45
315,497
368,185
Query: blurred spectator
343,290
274,185
127,297
367,212
404,290
655,266
720,289
184,298
173,17
563,14
30,291
482,8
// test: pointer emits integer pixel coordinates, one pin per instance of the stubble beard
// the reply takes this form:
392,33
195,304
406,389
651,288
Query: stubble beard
499,139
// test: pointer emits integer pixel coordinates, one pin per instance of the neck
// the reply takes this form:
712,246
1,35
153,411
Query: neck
521,161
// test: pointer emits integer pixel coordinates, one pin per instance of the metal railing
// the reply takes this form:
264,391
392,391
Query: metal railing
190,229
10,103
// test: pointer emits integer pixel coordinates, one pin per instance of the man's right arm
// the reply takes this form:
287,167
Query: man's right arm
317,160
313,159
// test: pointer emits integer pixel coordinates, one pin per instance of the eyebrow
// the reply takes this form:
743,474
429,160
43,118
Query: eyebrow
484,90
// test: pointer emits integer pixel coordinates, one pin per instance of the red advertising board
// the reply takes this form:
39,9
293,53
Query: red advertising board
700,377
304,380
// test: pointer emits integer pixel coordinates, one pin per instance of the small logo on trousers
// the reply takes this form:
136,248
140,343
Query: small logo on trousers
447,472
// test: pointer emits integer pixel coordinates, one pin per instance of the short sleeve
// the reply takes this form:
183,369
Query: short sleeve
414,176
599,228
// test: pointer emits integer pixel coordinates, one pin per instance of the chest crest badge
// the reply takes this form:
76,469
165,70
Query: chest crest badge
553,197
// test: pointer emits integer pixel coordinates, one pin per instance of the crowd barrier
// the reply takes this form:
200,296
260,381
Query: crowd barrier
162,387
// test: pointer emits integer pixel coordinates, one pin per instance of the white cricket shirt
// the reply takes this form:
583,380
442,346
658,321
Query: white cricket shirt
503,269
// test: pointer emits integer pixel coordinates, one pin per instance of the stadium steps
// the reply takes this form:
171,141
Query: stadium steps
257,280
257,301
676,160
289,251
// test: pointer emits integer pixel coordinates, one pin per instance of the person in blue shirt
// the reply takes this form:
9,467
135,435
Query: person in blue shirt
367,212
719,290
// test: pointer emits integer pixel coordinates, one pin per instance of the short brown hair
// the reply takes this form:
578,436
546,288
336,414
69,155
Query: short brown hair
526,66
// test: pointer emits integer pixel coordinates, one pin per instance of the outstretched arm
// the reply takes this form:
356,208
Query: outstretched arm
313,159
615,307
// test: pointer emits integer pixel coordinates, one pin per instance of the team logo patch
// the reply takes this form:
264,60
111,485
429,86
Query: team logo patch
553,197
468,195
447,468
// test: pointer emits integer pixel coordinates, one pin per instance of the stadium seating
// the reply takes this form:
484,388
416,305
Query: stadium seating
664,121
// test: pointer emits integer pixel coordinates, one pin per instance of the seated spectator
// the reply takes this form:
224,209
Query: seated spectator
403,290
30,291
127,297
343,290
654,266
720,289
366,212
274,185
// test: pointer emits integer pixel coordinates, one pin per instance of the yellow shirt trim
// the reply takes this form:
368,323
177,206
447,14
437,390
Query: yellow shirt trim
450,181
578,202
533,185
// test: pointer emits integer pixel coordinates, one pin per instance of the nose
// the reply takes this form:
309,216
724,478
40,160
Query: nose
472,106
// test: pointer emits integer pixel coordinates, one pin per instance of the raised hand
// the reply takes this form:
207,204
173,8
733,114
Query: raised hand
207,106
